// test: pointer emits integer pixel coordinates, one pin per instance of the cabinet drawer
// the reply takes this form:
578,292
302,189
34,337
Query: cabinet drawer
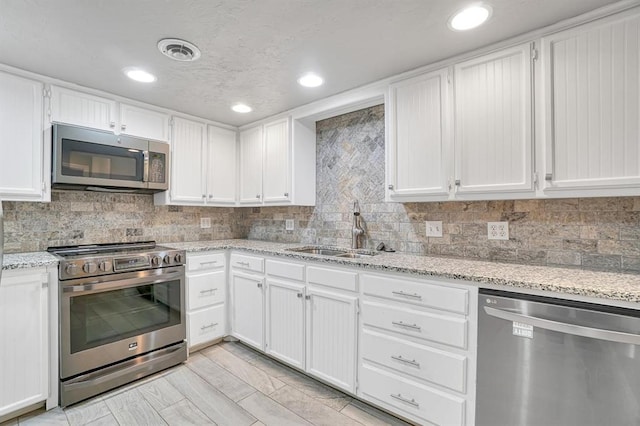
249,263
423,294
344,280
206,289
423,325
292,271
199,262
206,325
436,366
410,398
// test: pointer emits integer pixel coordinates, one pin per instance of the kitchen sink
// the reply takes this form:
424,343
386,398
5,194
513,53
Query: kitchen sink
356,255
335,252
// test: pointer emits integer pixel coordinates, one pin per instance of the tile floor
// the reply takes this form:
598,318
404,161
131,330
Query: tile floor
225,384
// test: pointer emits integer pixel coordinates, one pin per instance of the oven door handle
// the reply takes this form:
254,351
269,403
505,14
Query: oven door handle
122,283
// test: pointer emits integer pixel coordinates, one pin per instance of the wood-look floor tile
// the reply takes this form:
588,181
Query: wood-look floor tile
310,409
108,420
130,408
239,350
40,417
88,411
184,413
323,393
219,378
160,394
245,371
209,400
271,367
270,412
370,416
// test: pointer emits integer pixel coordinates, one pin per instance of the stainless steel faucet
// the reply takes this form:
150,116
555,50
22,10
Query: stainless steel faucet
356,232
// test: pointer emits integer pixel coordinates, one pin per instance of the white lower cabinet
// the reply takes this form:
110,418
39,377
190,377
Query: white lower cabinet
206,279
24,333
285,321
246,284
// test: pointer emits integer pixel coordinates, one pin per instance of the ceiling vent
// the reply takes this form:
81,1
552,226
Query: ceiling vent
179,50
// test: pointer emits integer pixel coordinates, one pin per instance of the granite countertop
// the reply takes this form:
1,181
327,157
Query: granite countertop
601,285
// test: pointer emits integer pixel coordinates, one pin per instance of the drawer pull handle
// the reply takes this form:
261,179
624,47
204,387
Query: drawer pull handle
403,294
411,401
204,327
259,285
211,262
243,263
402,324
211,290
406,361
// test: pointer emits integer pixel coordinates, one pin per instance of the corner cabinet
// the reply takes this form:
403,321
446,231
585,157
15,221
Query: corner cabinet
277,164
592,108
23,168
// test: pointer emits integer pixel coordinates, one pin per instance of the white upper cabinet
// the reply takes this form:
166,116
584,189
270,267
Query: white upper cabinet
493,116
222,166
251,166
419,147
187,149
592,86
82,109
277,162
22,165
144,123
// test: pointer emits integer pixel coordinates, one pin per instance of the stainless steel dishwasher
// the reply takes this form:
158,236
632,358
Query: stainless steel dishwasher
545,361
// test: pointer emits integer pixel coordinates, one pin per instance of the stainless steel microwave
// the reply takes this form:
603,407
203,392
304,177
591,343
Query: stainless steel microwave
95,160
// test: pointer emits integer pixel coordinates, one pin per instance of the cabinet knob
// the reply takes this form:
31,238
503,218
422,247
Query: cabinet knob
210,196
258,196
286,194
259,285
457,182
299,295
391,187
123,127
204,196
112,124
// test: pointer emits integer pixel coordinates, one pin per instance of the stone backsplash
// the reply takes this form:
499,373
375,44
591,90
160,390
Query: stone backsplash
597,233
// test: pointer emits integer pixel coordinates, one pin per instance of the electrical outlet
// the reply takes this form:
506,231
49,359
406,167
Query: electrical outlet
498,230
434,228
288,225
205,222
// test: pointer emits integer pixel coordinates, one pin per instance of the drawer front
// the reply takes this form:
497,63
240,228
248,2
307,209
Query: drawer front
206,325
344,280
200,262
433,365
423,294
206,289
247,263
285,270
411,399
431,327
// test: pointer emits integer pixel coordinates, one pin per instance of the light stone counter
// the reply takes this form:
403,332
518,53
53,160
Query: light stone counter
28,260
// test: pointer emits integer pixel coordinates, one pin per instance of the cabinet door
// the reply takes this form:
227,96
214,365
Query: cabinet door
222,167
277,162
592,86
419,149
285,321
331,338
187,144
493,122
247,311
21,140
82,109
144,123
251,166
24,351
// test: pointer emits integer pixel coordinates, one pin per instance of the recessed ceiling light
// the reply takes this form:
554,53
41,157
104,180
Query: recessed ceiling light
139,75
241,108
310,80
470,17
179,50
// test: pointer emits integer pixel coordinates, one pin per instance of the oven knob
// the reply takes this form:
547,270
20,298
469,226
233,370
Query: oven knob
167,259
156,261
89,267
104,266
71,269
178,258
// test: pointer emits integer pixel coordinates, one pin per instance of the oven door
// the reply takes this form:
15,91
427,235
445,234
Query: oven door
104,320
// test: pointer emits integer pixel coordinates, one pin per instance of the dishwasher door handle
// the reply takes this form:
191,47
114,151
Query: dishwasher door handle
567,328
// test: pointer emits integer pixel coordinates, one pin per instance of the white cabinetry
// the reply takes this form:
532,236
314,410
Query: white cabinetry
417,348
592,108
493,131
22,161
24,337
277,164
420,145
144,123
247,299
222,166
206,280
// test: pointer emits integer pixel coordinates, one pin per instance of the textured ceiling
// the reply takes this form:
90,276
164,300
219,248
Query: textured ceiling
252,51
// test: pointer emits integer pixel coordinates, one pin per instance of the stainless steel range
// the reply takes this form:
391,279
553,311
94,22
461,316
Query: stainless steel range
122,315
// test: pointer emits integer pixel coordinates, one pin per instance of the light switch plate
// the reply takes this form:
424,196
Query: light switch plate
498,230
434,228
288,225
205,222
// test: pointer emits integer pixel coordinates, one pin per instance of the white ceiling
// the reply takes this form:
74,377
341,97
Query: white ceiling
252,50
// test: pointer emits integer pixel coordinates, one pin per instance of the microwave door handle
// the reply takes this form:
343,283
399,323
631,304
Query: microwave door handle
145,176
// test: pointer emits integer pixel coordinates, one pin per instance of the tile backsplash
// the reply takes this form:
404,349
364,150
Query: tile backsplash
598,233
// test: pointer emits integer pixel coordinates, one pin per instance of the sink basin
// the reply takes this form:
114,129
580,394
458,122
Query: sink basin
317,250
355,255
